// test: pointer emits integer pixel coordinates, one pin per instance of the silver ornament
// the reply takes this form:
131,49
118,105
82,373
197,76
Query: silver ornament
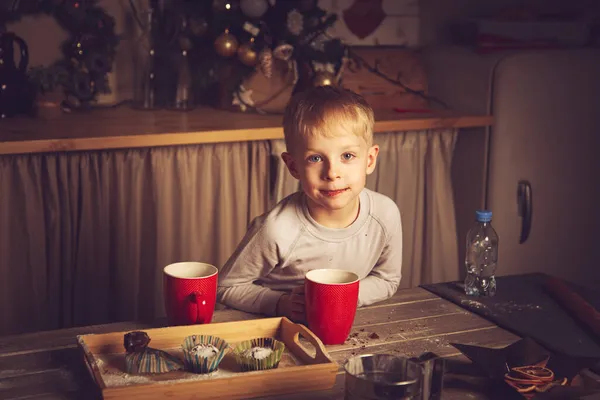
254,8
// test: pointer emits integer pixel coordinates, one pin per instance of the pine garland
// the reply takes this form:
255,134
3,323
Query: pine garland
88,52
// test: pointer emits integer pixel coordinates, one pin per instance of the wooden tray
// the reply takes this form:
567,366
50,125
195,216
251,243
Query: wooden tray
298,371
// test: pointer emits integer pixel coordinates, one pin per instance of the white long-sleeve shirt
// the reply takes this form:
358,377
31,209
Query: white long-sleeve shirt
282,245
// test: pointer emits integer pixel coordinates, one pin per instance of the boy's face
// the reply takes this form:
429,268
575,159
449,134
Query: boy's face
332,170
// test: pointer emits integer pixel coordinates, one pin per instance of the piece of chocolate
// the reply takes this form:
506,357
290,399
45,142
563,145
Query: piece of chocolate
136,341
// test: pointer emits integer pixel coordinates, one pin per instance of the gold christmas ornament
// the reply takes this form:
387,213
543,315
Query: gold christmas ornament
246,53
226,44
324,79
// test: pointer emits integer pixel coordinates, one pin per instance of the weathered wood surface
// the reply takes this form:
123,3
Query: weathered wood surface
126,128
48,365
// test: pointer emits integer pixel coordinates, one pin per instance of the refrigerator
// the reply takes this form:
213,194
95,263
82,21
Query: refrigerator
537,168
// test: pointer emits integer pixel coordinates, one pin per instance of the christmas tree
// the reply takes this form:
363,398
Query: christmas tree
210,50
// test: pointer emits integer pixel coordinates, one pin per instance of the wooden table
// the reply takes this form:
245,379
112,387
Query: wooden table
48,365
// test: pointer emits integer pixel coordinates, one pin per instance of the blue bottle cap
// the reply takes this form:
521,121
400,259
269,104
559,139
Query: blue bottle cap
483,215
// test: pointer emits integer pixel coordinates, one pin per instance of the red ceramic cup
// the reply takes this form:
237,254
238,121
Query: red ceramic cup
331,298
190,292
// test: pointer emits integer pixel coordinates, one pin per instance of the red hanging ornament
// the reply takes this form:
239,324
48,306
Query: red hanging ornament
76,11
364,17
76,4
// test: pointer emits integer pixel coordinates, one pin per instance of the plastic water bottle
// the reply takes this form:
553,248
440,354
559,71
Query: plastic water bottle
481,256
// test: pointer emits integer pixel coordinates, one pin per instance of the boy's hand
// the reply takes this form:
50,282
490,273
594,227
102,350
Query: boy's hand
292,305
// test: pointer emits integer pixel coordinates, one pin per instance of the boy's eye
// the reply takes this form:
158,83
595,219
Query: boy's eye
314,158
347,156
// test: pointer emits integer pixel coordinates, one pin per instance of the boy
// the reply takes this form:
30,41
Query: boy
334,222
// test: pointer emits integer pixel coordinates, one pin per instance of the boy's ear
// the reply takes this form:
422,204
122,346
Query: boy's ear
290,164
372,158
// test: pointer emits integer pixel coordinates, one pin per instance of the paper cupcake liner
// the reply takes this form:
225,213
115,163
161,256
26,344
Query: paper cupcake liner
203,365
151,361
253,364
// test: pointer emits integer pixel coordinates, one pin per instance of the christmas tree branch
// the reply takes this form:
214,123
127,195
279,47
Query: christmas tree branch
361,62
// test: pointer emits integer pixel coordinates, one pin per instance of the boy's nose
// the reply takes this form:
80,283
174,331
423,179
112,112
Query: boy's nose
331,172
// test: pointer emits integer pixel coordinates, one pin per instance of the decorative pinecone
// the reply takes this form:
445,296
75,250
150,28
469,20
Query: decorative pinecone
265,59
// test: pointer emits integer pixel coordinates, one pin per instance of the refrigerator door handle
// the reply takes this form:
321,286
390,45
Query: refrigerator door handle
525,206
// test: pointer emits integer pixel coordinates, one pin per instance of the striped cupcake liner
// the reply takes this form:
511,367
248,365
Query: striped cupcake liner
252,364
151,361
203,365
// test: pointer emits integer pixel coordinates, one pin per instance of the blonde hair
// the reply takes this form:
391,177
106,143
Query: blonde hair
322,111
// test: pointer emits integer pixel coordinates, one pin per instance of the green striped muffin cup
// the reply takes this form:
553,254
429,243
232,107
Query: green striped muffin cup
203,365
252,364
151,361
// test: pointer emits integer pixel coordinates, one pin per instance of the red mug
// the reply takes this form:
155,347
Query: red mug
331,298
190,292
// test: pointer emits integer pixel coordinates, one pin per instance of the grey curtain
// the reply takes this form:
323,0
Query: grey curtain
84,236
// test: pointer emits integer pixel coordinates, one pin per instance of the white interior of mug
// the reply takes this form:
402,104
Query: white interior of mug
190,270
331,276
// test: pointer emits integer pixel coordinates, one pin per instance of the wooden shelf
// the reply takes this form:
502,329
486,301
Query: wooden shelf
127,128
